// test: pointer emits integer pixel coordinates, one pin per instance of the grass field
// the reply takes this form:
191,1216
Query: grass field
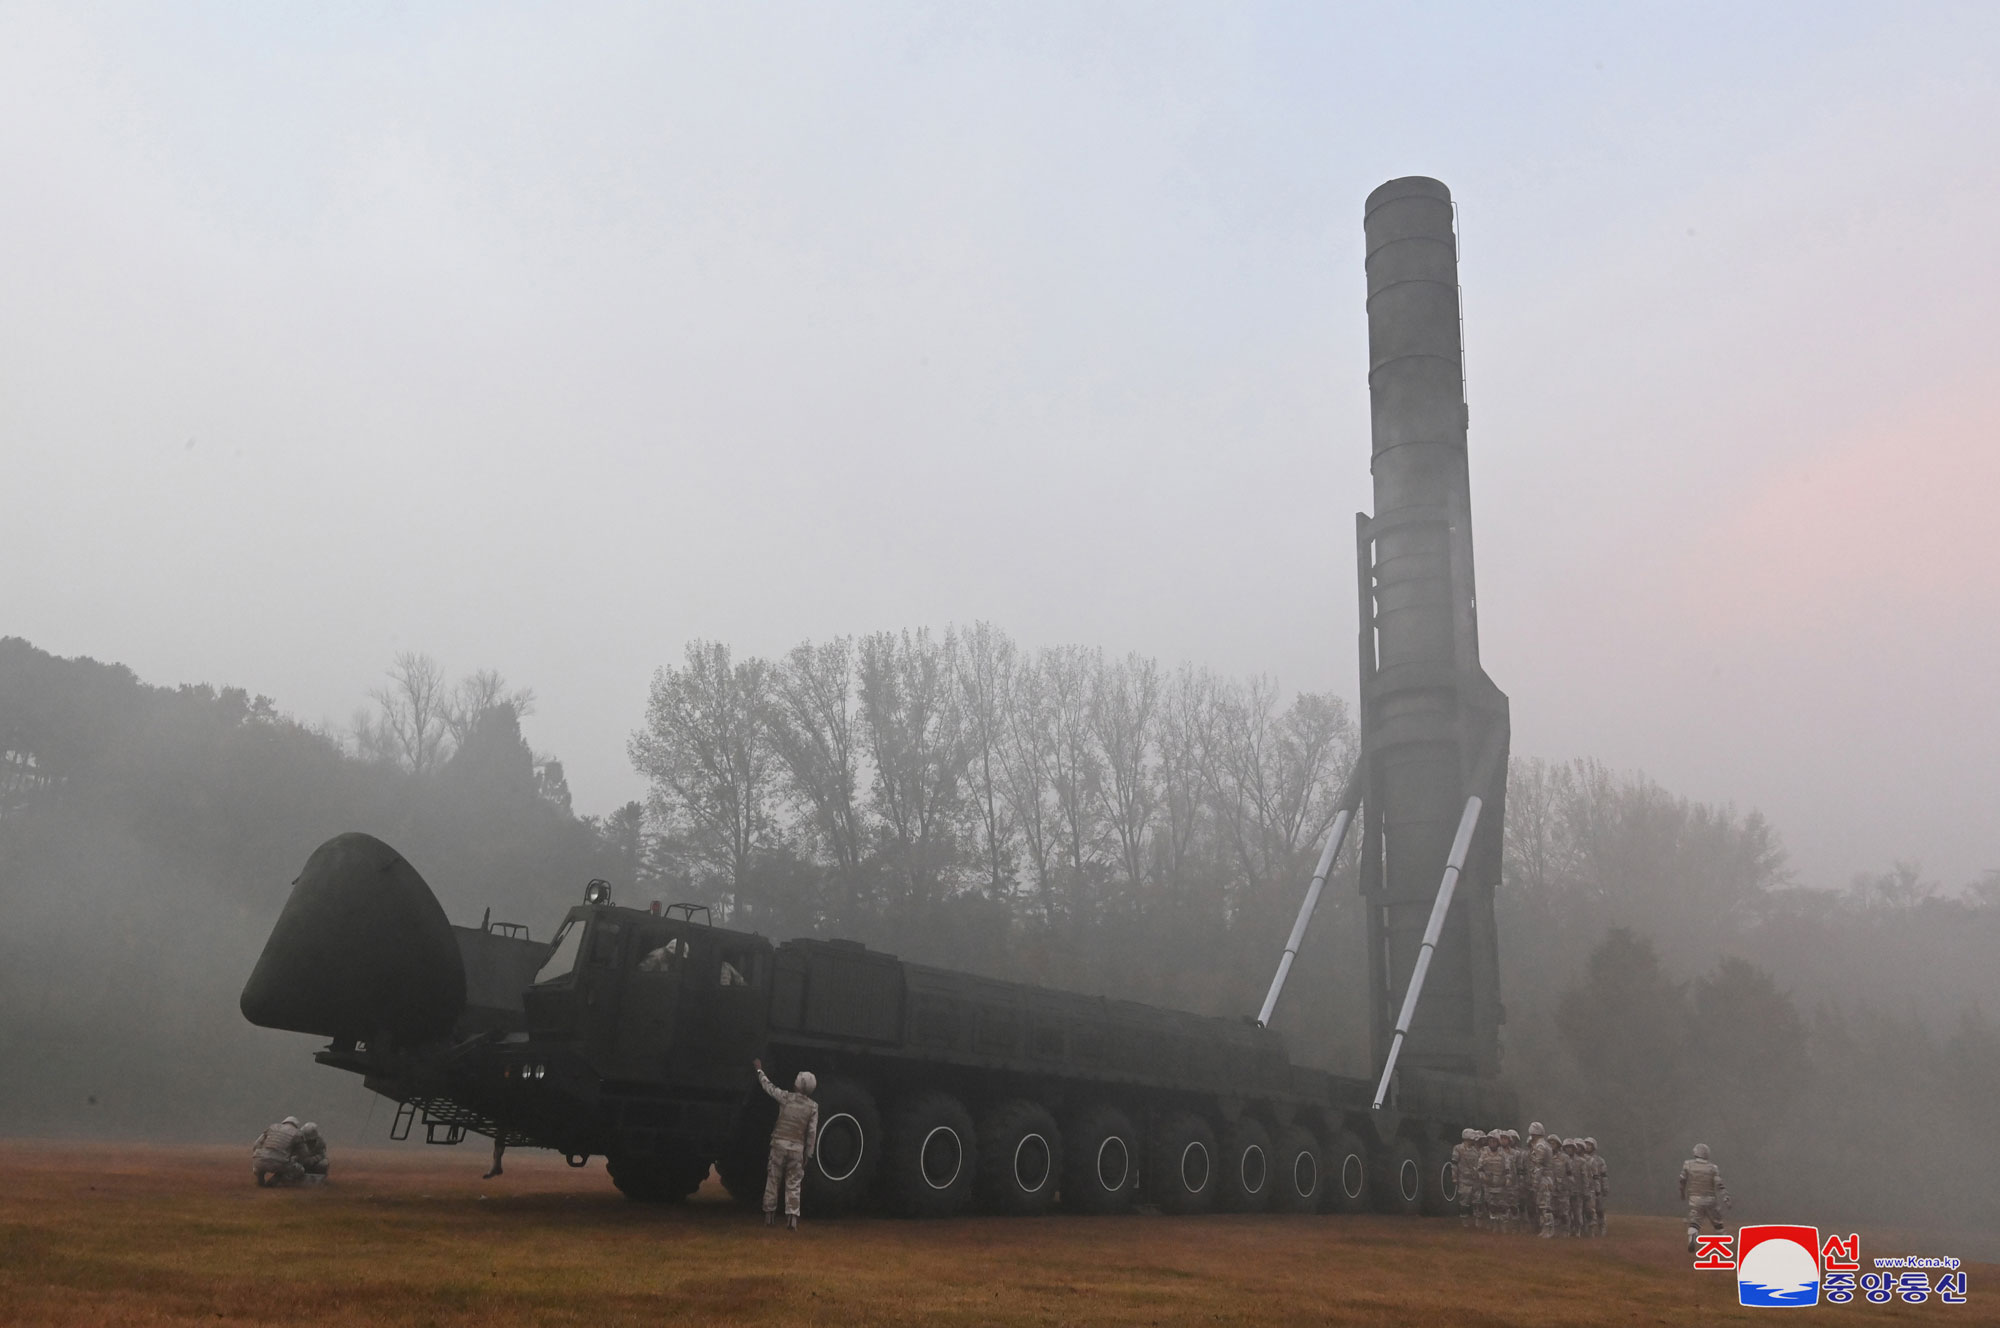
137,1235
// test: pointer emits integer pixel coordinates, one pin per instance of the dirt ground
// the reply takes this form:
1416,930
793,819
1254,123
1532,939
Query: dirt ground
142,1235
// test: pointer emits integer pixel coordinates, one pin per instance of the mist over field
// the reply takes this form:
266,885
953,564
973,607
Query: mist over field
888,473
1108,825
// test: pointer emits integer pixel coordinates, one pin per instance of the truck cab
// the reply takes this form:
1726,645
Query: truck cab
654,1002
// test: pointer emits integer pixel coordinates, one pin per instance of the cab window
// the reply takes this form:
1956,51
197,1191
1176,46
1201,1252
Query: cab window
736,966
665,957
604,939
562,956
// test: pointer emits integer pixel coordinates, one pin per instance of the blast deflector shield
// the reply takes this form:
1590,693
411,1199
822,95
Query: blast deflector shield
362,949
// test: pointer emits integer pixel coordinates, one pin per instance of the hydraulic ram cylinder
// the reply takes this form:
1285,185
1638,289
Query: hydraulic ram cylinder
1454,864
1334,839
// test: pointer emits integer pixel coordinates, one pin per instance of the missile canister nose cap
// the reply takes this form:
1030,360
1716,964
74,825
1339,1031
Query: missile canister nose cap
1409,186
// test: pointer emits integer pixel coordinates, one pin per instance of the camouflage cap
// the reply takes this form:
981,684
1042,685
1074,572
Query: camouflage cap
1589,1142
1535,1129
1701,1151
1468,1133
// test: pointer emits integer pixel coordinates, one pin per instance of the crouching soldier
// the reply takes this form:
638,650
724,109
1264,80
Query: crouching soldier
312,1154
274,1158
792,1141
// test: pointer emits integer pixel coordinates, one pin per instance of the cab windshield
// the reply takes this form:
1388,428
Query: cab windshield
562,959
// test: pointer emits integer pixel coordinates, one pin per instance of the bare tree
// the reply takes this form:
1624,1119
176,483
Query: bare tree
1071,761
409,727
1024,769
1276,776
815,732
707,751
986,665
1187,733
1124,714
911,714
478,692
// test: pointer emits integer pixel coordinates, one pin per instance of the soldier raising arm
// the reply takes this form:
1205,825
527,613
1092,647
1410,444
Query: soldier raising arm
793,1139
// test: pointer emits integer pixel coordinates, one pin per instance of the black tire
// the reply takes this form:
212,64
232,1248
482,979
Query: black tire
742,1171
1440,1179
930,1157
1245,1169
1399,1179
742,1164
1298,1171
1181,1165
1349,1186
1020,1159
841,1172
1100,1161
656,1178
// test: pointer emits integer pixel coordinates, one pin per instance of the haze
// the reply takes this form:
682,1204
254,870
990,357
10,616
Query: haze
548,340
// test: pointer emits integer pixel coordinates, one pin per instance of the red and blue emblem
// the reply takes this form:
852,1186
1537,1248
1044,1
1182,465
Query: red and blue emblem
1777,1266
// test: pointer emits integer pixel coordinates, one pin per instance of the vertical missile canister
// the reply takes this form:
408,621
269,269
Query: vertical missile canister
1434,728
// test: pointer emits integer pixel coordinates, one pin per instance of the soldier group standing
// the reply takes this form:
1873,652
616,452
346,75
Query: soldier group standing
289,1153
1555,1185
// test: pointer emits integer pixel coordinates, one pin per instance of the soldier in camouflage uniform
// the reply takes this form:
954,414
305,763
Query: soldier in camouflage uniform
1598,1186
274,1158
1579,1187
1465,1169
1585,1181
1706,1195
792,1141
1493,1180
1565,1174
1543,1152
1520,1193
312,1154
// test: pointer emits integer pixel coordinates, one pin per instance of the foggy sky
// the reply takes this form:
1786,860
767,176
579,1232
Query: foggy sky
549,339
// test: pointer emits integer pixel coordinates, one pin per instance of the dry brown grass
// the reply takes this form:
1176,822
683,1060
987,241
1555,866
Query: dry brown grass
133,1235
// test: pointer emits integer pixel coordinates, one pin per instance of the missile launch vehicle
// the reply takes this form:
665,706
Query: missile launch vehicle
629,1034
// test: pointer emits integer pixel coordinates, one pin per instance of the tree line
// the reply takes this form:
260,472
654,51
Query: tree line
1097,822
1081,817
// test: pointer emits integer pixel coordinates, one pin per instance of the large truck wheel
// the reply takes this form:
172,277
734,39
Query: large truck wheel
1298,1173
931,1157
1020,1158
1100,1161
653,1178
1440,1179
1244,1174
850,1148
1350,1180
1399,1179
1181,1165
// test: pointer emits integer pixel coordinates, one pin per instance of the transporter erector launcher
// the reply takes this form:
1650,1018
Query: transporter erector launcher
629,1034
